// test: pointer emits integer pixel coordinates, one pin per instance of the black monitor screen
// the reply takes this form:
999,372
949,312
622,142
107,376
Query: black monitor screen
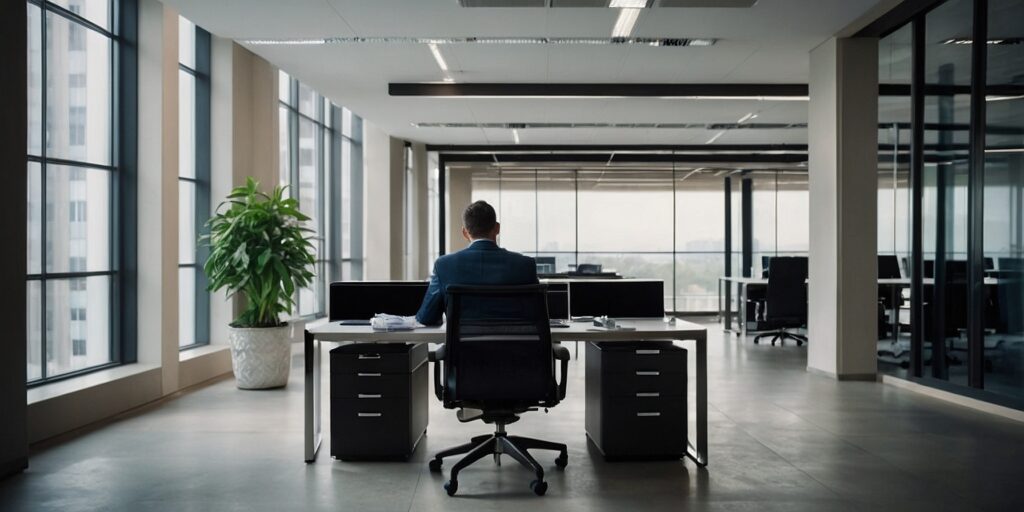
361,300
558,301
621,299
888,266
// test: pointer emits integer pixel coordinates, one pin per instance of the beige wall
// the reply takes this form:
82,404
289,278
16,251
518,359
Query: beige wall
843,142
244,126
460,193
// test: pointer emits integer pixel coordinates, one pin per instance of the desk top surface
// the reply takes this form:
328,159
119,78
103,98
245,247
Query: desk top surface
644,329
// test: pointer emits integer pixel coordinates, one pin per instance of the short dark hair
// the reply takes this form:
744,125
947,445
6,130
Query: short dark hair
479,219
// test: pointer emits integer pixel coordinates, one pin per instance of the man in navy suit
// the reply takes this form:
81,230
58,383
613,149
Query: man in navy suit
482,263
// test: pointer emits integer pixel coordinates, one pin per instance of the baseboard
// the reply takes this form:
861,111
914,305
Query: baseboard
946,396
13,467
859,377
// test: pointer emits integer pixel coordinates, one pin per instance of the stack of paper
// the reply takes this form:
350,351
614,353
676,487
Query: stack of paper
386,322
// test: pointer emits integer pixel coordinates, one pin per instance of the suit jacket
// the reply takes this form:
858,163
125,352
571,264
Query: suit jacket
483,263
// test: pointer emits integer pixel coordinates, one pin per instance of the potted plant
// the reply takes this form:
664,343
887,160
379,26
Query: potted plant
260,250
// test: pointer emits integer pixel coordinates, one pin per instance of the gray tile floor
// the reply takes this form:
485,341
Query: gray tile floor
780,439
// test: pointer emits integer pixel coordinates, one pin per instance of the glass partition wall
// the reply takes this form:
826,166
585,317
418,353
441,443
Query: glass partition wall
958,190
668,224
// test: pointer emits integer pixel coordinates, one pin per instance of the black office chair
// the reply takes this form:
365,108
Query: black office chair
498,359
786,306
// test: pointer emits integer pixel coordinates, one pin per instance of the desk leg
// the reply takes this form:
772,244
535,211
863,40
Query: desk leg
728,306
742,292
699,453
312,396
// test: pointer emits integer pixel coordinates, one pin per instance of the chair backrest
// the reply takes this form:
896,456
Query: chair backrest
787,289
498,348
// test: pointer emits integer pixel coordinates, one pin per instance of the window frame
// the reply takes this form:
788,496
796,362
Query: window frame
122,166
200,182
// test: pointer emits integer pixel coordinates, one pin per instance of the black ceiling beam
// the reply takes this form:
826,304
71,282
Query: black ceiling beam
704,148
595,90
896,17
950,90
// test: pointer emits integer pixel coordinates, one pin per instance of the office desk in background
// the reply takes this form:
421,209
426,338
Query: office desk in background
645,330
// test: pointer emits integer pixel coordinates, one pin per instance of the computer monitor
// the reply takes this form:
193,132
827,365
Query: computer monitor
990,263
558,301
888,267
360,300
545,264
626,298
1011,264
766,262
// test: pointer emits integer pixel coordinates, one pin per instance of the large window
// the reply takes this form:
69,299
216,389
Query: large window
323,169
193,181
73,277
666,223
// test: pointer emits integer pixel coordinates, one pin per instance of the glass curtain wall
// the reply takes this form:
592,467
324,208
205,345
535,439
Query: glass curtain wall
971,338
666,224
72,271
193,181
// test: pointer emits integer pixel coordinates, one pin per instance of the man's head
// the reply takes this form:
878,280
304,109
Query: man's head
479,221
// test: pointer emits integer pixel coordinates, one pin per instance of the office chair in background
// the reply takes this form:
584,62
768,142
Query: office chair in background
498,359
786,299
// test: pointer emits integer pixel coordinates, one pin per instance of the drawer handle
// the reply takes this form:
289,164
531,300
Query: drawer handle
647,352
360,395
648,374
648,414
368,374
369,356
370,415
648,395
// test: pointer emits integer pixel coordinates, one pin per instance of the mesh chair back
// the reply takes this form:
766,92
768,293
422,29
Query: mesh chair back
498,347
787,290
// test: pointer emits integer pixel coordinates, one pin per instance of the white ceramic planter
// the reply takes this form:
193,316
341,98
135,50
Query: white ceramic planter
260,357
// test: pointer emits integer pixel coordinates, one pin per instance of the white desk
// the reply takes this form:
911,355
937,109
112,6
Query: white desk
646,330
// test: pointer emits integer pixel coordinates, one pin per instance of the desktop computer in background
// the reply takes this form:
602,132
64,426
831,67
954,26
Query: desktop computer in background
355,302
625,298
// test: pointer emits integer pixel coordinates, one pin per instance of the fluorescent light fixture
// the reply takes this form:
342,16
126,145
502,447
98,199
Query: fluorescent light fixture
628,4
515,135
625,23
741,98
746,118
1003,98
285,42
437,56
713,139
569,41
967,40
1005,150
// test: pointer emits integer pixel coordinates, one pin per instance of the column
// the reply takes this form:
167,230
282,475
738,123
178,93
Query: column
843,140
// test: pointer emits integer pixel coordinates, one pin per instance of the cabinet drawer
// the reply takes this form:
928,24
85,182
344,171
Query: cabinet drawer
370,384
377,358
370,428
641,383
644,359
643,427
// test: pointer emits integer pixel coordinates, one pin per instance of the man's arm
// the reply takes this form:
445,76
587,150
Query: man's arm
433,302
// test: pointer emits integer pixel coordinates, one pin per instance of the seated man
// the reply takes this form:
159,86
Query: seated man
482,263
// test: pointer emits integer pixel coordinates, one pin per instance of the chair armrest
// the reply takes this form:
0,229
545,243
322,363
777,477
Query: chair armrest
436,356
562,354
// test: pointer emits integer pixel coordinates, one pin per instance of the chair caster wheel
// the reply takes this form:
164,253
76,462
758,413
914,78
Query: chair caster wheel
451,486
435,465
539,487
799,343
757,341
562,461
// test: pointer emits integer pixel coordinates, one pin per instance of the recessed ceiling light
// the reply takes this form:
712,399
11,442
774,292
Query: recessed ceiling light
628,4
515,135
625,23
437,57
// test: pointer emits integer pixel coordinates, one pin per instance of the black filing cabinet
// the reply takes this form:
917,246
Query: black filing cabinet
378,400
636,399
